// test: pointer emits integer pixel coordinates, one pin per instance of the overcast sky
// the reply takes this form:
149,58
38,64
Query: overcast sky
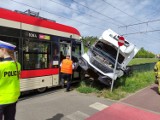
92,17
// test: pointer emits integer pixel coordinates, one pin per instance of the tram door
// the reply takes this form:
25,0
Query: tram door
74,51
65,49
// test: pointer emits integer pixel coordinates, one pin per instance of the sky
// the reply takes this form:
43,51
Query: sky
137,20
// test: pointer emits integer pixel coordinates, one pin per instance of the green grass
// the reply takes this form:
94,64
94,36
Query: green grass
86,88
137,61
124,86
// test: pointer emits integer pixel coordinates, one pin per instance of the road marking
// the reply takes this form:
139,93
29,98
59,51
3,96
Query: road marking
98,106
77,116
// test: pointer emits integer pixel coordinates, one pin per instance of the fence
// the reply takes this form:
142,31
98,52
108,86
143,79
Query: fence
143,67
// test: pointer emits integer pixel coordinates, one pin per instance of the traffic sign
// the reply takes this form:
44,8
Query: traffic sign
120,40
120,43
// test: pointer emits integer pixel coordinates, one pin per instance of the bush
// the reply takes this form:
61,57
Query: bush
142,53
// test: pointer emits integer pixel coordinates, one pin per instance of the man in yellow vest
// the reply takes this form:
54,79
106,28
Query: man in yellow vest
157,73
9,81
66,71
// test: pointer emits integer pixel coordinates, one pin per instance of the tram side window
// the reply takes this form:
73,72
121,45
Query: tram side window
36,55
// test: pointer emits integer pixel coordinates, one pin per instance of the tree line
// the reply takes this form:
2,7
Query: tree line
88,40
142,53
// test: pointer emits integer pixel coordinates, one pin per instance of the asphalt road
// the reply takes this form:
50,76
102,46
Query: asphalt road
60,105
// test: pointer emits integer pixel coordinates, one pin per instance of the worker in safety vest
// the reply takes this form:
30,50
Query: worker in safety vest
9,81
66,71
157,73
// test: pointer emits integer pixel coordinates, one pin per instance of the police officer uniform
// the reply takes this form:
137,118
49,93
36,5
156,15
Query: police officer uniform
9,84
157,73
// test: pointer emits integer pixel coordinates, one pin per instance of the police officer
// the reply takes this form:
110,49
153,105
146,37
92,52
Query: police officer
66,71
157,73
9,81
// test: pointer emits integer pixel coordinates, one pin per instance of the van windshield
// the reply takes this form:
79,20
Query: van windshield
108,51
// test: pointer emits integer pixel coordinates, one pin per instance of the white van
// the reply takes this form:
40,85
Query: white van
100,59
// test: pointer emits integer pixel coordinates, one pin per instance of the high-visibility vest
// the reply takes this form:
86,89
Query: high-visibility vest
66,66
157,69
9,82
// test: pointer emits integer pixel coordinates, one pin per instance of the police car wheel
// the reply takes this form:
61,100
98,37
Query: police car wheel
41,89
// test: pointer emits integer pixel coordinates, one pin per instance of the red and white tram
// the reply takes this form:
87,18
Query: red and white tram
41,45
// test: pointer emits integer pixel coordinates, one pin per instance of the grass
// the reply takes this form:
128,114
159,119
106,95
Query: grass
85,87
124,86
137,61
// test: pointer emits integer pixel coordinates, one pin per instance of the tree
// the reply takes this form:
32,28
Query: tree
87,39
142,53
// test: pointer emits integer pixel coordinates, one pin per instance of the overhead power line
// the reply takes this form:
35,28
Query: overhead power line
120,10
58,15
154,13
98,13
141,32
77,11
131,17
146,22
114,20
75,20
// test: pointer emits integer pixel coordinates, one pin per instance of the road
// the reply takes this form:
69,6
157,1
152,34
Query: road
60,105
142,105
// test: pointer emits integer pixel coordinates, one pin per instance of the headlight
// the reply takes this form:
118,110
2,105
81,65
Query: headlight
83,64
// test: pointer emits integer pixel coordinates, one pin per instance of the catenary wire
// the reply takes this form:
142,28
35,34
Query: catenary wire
98,12
58,15
77,11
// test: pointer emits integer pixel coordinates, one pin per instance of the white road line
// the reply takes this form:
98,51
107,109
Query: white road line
77,116
98,106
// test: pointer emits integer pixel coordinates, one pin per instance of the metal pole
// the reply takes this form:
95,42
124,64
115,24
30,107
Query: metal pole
114,70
